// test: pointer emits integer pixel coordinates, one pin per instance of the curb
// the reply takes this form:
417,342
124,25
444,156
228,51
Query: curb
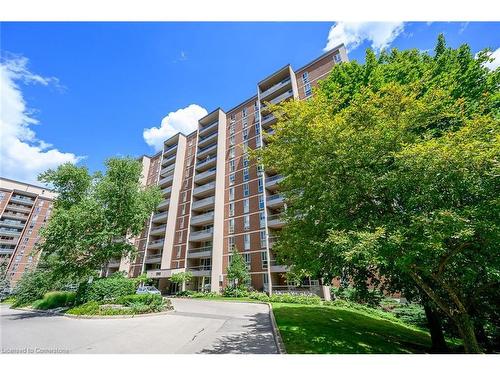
71,316
276,332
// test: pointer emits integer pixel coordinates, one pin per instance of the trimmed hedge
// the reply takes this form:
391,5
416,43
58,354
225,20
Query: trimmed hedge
52,300
286,298
105,289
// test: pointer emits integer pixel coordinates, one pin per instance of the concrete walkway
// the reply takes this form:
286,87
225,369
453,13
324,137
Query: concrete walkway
194,327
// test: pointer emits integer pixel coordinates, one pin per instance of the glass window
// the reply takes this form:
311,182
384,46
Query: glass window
180,237
246,222
231,194
246,161
246,174
262,220
230,242
261,185
246,205
248,259
232,140
307,90
231,152
246,240
232,165
262,238
261,202
305,77
257,129
245,134
232,178
231,129
244,112
263,258
231,226
231,209
246,189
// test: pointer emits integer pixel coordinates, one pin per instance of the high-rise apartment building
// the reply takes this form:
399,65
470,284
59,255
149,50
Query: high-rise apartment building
216,199
24,209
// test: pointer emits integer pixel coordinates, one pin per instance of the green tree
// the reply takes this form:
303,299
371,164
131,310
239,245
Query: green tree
95,215
181,278
4,276
391,176
237,271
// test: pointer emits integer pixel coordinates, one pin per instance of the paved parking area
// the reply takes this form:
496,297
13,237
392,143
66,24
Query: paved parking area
195,326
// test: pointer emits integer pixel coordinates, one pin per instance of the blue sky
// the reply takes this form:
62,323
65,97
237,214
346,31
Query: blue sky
93,88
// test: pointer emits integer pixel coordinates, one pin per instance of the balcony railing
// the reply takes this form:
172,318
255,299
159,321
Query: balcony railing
200,268
200,177
153,258
202,219
203,140
12,223
15,215
167,170
167,160
200,249
203,203
275,199
282,97
166,180
206,150
201,234
169,148
206,161
208,126
10,232
160,216
17,198
275,87
164,203
159,229
167,190
200,190
155,244
18,208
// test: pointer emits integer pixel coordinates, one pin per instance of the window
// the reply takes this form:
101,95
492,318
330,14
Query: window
262,219
246,205
246,222
261,202
186,182
262,238
188,162
179,250
246,161
261,184
260,169
181,224
232,177
230,243
244,112
246,241
305,77
232,140
337,58
180,237
246,174
256,106
231,129
245,134
183,209
232,166
246,189
257,129
233,117
231,194
248,259
231,152
245,122
231,226
307,90
263,259
184,196
231,209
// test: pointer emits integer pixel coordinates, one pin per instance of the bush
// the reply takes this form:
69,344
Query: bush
411,313
195,294
52,300
259,296
296,298
89,308
105,289
235,291
368,297
31,287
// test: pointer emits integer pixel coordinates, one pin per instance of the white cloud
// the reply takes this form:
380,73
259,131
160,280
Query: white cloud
22,155
184,120
352,34
495,55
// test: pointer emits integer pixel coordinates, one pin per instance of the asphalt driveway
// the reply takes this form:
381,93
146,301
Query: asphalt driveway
195,326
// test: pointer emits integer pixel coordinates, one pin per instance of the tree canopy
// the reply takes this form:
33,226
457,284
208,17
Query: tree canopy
391,177
94,215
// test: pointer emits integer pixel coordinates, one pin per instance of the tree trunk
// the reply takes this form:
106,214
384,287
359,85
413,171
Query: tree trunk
466,329
435,329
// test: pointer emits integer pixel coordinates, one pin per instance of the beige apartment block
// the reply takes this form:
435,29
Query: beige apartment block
24,210
217,200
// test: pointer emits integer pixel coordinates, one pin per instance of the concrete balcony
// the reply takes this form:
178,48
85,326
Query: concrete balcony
12,224
22,200
201,235
207,128
15,215
206,163
9,232
200,270
203,141
4,251
167,191
209,150
203,204
272,240
268,120
275,200
204,190
281,85
160,217
278,267
168,160
155,231
275,221
203,177
23,209
284,96
200,252
9,242
153,259
167,170
166,180
202,219
273,182
157,244
169,150
164,204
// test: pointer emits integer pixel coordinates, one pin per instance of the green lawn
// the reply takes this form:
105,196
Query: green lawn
324,329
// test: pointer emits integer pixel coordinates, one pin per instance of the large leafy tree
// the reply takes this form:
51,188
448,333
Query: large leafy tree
94,215
391,176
